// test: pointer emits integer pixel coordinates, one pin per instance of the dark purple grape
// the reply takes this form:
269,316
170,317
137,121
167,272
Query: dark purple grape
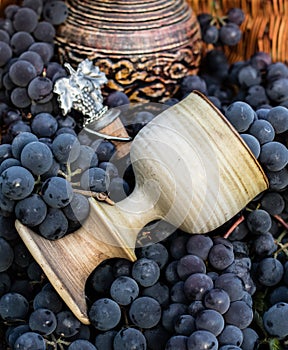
273,156
210,320
185,325
231,284
231,335
44,31
55,12
146,272
10,10
30,340
44,125
193,82
44,49
177,293
210,34
5,53
25,19
269,271
6,255
250,339
16,182
264,245
42,321
57,192
277,90
217,299
13,306
259,221
66,148
278,180
124,290
37,157
22,72
190,264
252,143
104,341
67,324
240,115
145,312
262,130
221,256
129,338
31,211
178,342
94,179
20,42
40,89
48,299
20,98
102,278
275,320
159,292
239,314
236,15
230,34
249,76
55,224
197,285
105,314
78,209
202,340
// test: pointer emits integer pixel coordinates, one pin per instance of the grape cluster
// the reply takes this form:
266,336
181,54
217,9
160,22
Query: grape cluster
28,67
187,292
222,30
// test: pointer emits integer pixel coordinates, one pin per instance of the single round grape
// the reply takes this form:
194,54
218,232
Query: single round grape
231,335
199,245
221,256
13,306
67,324
278,180
262,130
190,264
42,321
232,284
44,125
275,320
13,334
16,182
20,141
66,148
276,90
78,209
217,299
249,76
37,157
104,340
210,320
105,314
196,285
274,156
253,144
230,34
240,115
193,82
273,203
145,312
211,34
30,340
278,117
20,98
265,244
104,150
55,224
178,342
236,15
44,31
94,179
124,290
156,338
185,325
250,339
6,255
239,314
129,338
259,221
25,19
44,49
116,99
22,72
102,278
4,36
40,89
31,211
270,271
5,53
87,159
47,299
35,59
146,272
57,192
55,12
279,294
5,152
202,340
20,42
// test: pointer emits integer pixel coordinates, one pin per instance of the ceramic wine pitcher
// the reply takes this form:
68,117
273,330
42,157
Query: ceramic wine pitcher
144,47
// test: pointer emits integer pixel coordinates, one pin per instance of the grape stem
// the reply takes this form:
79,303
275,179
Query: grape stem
100,196
232,228
282,222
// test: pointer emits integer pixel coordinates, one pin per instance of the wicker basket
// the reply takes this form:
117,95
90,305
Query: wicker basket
264,28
